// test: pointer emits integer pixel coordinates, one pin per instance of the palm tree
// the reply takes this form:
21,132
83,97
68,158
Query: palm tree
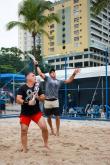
99,5
33,12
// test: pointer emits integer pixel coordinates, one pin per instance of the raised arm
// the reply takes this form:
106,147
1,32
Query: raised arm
39,70
71,78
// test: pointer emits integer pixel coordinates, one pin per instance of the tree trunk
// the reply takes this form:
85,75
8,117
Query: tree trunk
34,45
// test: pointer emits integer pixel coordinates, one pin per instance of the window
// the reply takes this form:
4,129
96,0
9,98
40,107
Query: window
62,59
51,37
71,65
76,19
91,63
76,32
86,50
76,44
57,60
71,58
98,58
91,56
63,10
95,57
63,29
86,56
76,25
51,43
63,17
76,1
105,35
51,49
57,67
101,58
86,63
63,35
76,38
63,41
105,41
63,23
105,17
51,26
76,13
62,66
95,64
50,61
78,57
52,9
76,8
78,64
51,31
64,47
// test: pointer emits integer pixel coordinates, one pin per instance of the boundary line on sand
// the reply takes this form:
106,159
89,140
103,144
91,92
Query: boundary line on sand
62,117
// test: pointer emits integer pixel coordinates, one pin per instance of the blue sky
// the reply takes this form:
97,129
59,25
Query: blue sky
8,12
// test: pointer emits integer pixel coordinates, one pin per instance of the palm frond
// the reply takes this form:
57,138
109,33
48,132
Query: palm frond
53,17
99,5
13,24
42,31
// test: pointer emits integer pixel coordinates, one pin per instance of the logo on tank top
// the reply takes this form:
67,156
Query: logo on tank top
29,94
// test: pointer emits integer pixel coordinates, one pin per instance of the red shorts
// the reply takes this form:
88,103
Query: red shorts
27,119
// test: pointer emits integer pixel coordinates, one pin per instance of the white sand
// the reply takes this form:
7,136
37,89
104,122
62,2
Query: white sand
80,143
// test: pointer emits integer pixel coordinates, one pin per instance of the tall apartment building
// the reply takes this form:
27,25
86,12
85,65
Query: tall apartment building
80,37
25,40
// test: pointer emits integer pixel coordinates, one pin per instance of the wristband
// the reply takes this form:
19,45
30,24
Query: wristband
36,65
74,74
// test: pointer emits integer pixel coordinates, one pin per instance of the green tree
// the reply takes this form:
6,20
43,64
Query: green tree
11,60
99,5
35,19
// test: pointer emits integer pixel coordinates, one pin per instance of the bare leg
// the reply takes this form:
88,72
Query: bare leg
24,130
57,125
43,127
49,120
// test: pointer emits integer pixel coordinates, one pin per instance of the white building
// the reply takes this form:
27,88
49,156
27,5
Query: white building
25,40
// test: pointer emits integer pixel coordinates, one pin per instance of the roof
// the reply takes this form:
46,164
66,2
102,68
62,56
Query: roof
87,72
18,77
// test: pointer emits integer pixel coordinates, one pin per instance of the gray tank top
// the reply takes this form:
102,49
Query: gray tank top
52,87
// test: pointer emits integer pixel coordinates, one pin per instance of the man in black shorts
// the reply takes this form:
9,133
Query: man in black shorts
28,96
51,103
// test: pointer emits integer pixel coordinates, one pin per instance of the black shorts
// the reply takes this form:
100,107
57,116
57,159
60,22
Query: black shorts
53,111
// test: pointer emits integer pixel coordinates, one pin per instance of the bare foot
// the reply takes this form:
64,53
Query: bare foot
47,147
57,134
25,150
53,133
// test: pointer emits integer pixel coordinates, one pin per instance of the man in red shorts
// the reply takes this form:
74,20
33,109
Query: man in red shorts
28,96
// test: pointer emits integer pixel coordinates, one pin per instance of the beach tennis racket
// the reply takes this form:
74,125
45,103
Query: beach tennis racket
36,88
32,57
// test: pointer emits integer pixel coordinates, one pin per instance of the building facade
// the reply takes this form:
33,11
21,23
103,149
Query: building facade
79,39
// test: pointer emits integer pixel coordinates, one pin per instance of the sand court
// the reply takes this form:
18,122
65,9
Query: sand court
80,143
